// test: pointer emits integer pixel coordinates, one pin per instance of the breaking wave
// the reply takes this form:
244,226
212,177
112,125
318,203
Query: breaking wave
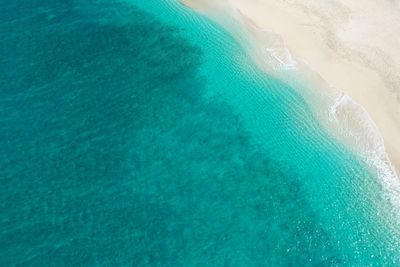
357,126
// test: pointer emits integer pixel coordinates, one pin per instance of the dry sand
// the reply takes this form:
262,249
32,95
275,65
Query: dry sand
350,47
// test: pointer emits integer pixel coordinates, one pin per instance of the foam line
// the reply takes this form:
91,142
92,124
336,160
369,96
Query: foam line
357,124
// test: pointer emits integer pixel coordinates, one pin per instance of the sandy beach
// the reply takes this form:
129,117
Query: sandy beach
352,49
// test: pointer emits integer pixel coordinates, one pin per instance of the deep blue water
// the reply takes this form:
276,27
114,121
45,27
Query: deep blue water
137,133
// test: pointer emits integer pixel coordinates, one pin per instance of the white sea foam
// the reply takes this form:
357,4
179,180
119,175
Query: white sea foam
357,124
280,58
277,54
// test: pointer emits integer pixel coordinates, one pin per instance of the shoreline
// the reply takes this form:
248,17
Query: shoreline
285,42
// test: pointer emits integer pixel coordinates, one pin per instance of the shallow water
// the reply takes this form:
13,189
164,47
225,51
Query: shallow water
137,133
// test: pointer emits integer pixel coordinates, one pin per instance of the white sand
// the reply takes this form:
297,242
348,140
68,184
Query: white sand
351,46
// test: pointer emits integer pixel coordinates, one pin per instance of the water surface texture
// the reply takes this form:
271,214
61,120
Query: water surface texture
137,133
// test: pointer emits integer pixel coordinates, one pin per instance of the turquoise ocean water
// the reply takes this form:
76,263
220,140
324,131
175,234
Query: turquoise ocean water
138,133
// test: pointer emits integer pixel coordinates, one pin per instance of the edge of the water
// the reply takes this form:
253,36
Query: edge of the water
343,118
